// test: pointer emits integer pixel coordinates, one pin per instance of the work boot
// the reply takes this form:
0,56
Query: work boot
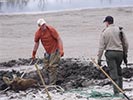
116,94
116,91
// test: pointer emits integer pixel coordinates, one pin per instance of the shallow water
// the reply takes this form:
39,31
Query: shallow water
15,6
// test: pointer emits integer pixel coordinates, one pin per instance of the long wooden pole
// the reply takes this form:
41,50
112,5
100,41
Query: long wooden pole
93,60
43,82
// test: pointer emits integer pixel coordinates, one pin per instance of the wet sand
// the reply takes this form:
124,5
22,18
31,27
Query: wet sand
79,30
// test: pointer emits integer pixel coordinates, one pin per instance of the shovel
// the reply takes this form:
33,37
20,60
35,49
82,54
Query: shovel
93,61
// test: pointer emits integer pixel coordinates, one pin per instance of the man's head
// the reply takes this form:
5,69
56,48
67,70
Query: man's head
108,20
41,22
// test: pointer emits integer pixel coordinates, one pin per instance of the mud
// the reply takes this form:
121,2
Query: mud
72,73
19,62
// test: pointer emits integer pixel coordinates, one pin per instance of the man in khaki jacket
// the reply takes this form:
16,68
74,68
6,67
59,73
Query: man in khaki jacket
110,42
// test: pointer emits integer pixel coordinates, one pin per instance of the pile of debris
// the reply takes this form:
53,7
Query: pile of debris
72,72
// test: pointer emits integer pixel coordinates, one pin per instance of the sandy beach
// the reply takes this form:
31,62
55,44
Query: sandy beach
79,30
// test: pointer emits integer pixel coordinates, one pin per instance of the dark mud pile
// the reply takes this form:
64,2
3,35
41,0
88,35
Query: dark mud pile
72,72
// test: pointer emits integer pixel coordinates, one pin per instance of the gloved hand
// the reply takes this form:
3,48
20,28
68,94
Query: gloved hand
61,53
99,62
125,58
33,55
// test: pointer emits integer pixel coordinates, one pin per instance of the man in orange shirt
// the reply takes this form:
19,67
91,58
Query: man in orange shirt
53,46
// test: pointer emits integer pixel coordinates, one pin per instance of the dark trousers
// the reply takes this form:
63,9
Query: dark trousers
114,60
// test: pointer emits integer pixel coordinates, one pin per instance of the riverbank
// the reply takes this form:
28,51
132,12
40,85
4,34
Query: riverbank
79,30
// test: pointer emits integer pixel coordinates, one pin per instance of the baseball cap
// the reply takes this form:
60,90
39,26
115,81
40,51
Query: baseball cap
41,21
109,19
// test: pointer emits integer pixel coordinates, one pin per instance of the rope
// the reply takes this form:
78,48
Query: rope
93,93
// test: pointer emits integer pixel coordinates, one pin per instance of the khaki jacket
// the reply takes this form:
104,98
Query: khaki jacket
110,40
